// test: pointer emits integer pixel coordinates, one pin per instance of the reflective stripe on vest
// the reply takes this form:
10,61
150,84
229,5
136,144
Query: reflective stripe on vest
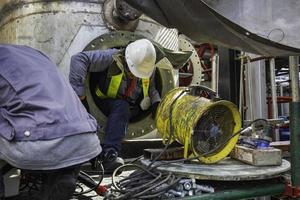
114,86
115,83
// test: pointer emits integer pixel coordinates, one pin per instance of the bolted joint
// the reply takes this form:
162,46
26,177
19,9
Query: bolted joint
118,15
124,11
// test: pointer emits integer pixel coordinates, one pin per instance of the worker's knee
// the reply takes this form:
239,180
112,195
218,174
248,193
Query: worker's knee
121,106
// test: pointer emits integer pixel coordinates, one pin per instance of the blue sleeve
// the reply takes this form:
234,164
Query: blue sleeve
88,61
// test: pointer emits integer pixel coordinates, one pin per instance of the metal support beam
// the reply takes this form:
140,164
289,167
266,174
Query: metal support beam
241,103
255,87
250,89
295,121
294,76
274,95
229,75
243,193
215,74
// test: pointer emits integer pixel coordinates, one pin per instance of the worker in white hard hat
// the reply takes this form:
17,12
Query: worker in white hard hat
125,86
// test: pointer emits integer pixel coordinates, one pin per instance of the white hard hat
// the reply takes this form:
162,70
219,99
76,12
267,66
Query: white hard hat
140,57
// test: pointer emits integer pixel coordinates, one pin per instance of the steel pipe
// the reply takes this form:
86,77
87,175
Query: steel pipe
274,95
294,76
215,73
295,120
241,100
250,89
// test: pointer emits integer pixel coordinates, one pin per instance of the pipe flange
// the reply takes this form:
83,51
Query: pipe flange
196,78
118,15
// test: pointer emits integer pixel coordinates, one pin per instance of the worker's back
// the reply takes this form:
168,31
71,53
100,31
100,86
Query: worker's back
36,102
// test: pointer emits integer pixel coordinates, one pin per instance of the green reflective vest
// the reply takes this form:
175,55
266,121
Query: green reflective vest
115,83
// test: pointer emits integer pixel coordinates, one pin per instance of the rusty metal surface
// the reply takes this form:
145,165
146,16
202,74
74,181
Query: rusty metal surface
200,22
114,18
226,170
169,154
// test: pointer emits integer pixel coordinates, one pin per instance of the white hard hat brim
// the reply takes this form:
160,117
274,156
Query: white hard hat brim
137,73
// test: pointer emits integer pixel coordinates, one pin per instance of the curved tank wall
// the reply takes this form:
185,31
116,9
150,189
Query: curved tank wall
58,28
55,27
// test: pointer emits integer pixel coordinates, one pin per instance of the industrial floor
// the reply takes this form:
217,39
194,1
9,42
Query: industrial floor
89,196
106,181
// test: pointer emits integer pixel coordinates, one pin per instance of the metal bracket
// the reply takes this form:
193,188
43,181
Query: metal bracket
118,15
291,191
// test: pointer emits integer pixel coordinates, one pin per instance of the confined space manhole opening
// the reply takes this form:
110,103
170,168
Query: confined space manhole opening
136,113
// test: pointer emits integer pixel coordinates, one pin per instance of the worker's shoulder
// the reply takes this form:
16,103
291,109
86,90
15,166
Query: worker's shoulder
20,56
13,47
103,52
13,51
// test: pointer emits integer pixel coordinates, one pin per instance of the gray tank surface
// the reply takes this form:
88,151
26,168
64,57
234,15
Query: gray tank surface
277,20
201,22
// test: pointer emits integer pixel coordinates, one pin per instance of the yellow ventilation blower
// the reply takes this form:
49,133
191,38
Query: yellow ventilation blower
205,127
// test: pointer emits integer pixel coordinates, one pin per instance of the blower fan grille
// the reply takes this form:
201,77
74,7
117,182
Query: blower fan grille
213,128
205,127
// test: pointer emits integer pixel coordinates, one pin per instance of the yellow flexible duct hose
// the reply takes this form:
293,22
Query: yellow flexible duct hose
190,115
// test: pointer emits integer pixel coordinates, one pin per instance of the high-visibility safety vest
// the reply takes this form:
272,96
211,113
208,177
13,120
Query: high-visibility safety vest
115,83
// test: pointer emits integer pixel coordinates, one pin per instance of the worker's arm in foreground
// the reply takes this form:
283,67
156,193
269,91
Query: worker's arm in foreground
88,61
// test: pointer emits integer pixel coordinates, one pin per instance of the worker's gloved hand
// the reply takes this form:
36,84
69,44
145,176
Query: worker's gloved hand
85,103
154,109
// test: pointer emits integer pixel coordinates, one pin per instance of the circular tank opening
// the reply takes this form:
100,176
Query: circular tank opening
141,125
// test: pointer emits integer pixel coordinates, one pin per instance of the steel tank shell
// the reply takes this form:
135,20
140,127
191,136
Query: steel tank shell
57,28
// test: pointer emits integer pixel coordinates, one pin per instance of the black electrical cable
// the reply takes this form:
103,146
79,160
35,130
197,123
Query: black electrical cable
142,183
148,182
170,126
154,179
154,185
92,180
